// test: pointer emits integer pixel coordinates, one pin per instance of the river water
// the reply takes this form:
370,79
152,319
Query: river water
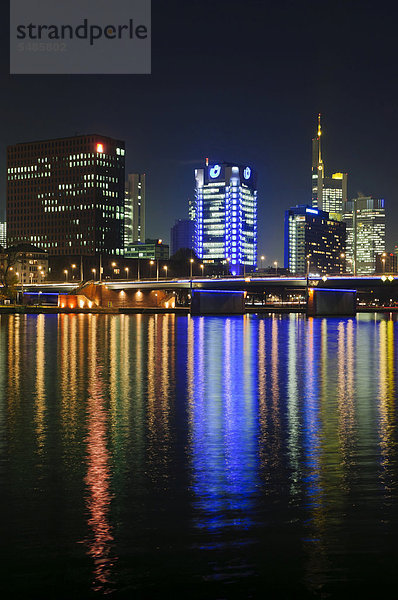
198,457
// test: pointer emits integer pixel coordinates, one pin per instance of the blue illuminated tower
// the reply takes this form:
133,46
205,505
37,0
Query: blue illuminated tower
226,216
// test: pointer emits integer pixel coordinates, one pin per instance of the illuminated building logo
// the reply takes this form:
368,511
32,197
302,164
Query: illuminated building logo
247,172
215,171
100,148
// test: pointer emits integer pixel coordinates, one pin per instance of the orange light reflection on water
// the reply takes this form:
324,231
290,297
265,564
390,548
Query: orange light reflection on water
98,472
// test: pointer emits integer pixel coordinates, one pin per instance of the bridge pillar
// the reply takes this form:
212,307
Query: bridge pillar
327,302
217,302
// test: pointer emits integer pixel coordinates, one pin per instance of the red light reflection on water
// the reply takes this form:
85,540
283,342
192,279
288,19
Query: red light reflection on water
99,495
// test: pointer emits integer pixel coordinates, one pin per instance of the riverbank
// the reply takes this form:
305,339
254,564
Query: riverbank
51,310
178,310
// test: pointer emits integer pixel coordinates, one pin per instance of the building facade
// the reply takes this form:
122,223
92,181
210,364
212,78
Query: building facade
150,249
191,209
67,195
30,264
314,242
134,209
334,194
182,235
226,216
365,219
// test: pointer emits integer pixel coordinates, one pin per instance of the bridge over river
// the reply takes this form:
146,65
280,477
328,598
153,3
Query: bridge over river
383,285
372,291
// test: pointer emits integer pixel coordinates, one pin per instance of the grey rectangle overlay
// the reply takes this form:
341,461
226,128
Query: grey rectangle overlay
80,37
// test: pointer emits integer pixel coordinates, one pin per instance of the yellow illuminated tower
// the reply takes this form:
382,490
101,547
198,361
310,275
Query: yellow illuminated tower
317,168
328,193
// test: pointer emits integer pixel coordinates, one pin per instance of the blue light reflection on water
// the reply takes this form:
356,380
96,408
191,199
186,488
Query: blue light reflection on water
223,422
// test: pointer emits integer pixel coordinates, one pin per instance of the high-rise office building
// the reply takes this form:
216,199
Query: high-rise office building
334,194
67,195
3,234
134,209
365,219
328,193
226,215
182,235
314,242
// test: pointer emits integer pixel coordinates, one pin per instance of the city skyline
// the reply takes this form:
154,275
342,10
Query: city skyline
318,164
170,125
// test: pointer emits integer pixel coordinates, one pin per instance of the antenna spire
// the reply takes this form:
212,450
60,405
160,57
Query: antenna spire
319,139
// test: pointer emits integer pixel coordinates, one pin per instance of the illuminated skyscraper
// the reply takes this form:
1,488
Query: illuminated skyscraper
3,234
328,193
67,195
134,209
314,242
334,194
318,170
366,233
226,216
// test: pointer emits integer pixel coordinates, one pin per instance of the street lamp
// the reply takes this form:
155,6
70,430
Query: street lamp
191,263
94,272
227,262
127,272
17,274
165,268
383,260
203,269
276,267
73,267
66,274
262,261
151,263
342,256
308,264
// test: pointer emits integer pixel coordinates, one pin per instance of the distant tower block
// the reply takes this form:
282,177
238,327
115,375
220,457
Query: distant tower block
134,209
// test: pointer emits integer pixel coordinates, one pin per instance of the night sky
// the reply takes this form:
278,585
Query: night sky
241,82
